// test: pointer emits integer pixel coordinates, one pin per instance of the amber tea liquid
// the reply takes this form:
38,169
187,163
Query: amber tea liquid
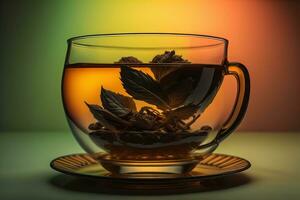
82,83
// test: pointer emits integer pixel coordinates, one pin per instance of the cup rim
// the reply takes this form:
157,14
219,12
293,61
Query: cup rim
76,40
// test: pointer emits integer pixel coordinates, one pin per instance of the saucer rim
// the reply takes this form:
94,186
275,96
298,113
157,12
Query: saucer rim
156,179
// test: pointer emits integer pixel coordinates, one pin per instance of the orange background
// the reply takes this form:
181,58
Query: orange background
263,35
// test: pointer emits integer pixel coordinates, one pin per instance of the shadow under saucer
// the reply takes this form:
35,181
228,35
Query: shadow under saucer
90,185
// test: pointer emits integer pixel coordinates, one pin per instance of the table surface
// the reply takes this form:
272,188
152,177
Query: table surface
25,171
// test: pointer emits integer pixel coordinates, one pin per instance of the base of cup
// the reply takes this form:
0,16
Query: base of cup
179,166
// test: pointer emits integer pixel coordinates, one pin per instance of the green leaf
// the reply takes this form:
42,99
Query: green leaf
116,103
143,87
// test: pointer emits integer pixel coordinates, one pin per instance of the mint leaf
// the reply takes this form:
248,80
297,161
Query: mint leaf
143,87
116,103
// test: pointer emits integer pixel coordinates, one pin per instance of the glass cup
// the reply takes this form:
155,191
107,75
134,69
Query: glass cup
150,102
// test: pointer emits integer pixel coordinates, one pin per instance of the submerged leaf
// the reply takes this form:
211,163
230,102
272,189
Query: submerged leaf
203,88
142,122
106,118
168,57
116,103
143,87
97,113
179,92
95,126
180,84
161,71
183,112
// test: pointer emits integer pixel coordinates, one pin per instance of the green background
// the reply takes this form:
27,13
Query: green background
34,35
264,35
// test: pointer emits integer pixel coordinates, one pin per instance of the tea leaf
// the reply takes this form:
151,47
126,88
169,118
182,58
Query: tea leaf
164,58
180,91
180,84
128,59
106,118
160,71
213,90
116,103
168,57
97,113
201,91
141,122
95,126
143,87
183,112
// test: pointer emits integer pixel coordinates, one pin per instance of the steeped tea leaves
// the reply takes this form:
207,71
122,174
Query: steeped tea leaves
183,112
167,57
116,103
179,91
143,87
128,59
199,94
106,118
146,120
180,84
97,112
95,126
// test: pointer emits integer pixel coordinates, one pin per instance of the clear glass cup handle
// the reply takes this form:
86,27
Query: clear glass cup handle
240,72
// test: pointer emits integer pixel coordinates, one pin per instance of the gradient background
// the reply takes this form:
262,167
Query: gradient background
264,35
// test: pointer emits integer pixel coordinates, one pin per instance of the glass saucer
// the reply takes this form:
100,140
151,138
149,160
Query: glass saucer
213,166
